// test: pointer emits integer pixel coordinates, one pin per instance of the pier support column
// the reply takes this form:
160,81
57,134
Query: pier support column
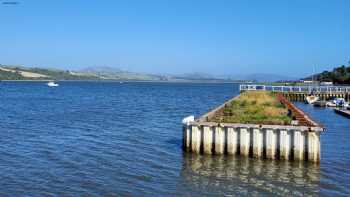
219,140
299,145
285,144
208,137
244,141
314,148
270,143
186,137
232,141
257,143
196,139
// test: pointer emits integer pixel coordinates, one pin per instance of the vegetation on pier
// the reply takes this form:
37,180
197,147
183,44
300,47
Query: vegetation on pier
255,107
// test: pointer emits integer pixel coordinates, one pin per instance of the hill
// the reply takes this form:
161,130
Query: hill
339,75
93,73
110,73
26,73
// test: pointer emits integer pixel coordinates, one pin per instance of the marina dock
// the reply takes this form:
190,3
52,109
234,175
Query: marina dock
343,112
299,93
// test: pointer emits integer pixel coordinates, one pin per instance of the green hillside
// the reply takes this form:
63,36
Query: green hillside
34,73
339,75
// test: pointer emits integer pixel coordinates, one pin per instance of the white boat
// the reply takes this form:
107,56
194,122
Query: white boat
52,84
311,99
331,104
337,102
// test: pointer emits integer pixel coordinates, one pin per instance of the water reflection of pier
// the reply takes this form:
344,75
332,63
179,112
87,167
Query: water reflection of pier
206,174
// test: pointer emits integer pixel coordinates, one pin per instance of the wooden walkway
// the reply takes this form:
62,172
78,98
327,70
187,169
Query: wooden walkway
300,89
299,115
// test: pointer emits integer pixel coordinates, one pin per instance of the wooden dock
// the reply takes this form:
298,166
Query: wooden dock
343,112
299,93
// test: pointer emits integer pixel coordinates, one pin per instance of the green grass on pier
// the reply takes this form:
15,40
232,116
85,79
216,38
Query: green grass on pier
255,107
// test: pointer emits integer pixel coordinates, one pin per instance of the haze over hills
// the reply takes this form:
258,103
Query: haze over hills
110,73
263,77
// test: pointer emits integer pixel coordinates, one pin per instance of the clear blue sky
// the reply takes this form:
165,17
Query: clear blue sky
218,37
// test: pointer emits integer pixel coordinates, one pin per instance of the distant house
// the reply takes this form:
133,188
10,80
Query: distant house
308,81
326,83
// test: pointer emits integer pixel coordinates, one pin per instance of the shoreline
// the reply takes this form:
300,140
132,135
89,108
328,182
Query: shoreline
129,81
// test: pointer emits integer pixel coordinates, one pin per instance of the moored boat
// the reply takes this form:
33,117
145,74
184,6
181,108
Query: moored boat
52,84
337,102
320,103
311,99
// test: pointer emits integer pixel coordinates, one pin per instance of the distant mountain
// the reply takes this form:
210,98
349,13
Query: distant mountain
34,73
91,73
258,77
196,76
111,73
101,69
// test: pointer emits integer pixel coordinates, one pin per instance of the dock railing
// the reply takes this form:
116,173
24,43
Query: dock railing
309,88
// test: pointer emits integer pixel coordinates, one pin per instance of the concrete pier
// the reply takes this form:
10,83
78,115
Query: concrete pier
268,141
298,141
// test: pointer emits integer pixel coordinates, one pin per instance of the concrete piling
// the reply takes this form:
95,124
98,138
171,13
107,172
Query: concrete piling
208,139
196,139
186,137
285,141
257,143
299,139
267,141
219,140
314,146
271,139
232,141
244,141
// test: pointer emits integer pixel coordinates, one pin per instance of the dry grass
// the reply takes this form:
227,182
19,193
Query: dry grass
25,73
254,107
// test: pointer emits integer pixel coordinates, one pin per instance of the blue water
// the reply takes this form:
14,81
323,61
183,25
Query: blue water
112,139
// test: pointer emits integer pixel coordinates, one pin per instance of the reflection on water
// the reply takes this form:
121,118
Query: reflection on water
206,174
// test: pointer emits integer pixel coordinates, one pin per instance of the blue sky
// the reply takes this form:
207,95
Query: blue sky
216,37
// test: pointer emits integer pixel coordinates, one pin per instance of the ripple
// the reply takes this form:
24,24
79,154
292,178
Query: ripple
107,139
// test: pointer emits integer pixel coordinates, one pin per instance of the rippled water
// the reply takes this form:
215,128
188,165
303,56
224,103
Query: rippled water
104,138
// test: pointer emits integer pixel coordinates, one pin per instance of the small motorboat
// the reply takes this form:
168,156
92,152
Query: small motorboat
311,99
331,104
337,102
52,84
